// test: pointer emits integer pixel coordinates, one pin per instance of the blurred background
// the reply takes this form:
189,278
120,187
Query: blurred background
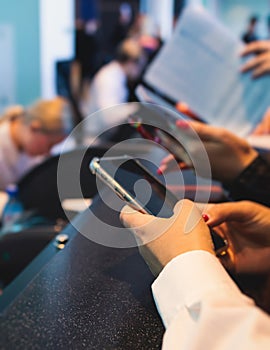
45,42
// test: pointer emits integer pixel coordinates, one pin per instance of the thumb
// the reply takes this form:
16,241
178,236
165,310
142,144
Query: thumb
145,227
132,218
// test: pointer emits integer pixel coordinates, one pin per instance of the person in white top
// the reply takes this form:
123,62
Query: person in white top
27,135
109,88
200,305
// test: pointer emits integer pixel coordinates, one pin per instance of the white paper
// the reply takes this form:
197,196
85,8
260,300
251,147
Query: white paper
200,66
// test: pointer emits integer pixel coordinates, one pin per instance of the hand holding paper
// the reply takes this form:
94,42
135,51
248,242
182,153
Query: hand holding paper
204,71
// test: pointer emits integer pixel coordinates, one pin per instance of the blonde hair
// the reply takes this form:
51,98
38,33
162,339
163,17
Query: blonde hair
129,50
54,116
12,112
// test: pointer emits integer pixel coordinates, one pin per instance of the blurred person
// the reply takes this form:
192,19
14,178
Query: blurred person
110,86
86,52
234,162
123,25
28,134
200,305
250,35
137,28
148,35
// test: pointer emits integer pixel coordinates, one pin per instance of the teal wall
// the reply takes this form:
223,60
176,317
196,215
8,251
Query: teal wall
235,14
23,15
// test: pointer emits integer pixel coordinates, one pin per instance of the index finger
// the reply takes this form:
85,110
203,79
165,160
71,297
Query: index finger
132,218
205,132
256,47
146,228
226,212
253,63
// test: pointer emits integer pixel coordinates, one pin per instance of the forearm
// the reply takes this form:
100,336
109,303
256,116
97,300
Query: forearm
202,308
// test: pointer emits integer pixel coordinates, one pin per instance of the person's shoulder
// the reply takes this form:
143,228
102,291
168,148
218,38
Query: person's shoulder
110,72
112,67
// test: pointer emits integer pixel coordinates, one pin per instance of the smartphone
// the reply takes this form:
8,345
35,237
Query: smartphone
122,173
159,125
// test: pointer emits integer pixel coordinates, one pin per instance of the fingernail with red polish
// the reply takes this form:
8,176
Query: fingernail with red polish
182,124
205,217
159,172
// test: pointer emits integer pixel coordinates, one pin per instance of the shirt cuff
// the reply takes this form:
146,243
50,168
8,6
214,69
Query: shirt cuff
187,279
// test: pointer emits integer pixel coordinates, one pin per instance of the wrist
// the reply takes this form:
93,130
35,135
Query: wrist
241,164
252,183
247,160
188,243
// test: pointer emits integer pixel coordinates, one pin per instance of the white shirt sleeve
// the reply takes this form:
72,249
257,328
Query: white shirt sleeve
202,308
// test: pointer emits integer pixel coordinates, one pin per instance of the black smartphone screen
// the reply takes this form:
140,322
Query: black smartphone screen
142,185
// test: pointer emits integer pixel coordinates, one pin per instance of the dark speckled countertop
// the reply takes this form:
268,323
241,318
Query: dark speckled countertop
87,297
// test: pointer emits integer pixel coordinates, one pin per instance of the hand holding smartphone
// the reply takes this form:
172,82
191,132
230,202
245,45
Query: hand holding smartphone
121,174
159,125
